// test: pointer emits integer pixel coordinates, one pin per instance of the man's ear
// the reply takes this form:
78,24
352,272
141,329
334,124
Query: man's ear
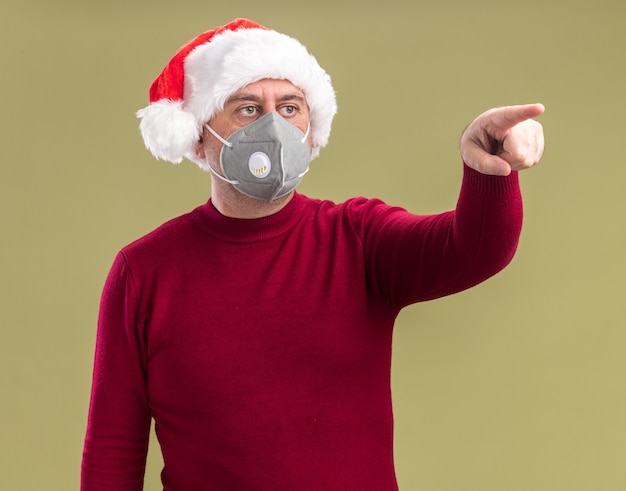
199,149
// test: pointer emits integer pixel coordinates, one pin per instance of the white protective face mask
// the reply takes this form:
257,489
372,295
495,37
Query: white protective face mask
265,159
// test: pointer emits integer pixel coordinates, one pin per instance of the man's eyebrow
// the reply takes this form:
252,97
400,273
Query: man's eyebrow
254,98
243,97
292,97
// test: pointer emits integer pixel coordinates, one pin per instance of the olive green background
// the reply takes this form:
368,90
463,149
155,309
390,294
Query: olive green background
517,384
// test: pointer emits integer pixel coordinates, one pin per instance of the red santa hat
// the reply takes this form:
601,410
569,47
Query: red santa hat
198,80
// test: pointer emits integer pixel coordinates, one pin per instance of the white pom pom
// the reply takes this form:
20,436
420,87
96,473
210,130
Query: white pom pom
168,131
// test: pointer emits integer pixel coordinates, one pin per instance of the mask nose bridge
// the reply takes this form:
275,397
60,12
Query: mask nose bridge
274,118
271,117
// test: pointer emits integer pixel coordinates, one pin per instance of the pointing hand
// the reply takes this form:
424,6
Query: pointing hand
504,139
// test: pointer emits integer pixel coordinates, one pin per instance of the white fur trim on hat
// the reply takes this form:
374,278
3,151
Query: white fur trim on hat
168,130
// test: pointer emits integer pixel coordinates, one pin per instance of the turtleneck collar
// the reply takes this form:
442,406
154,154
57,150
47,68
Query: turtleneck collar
246,231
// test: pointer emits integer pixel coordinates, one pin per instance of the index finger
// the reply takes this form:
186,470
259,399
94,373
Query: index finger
506,117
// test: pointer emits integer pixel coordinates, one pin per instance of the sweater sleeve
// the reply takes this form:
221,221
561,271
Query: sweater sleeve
116,441
412,258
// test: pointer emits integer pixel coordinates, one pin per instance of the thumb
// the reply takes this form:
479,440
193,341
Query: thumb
486,163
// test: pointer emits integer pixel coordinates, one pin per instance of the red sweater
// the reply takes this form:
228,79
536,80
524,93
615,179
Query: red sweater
262,348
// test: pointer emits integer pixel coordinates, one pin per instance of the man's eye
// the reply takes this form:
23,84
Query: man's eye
248,110
289,110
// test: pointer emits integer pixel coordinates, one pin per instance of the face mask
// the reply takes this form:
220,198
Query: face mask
265,159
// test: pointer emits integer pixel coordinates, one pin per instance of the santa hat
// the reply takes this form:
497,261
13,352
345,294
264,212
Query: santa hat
198,80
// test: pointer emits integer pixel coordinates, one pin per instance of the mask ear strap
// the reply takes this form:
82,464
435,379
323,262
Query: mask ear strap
214,133
228,144
301,175
306,135
229,181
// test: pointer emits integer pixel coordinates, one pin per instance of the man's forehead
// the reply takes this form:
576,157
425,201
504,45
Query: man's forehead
278,89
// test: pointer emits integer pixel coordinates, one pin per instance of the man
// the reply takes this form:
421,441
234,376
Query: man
256,330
